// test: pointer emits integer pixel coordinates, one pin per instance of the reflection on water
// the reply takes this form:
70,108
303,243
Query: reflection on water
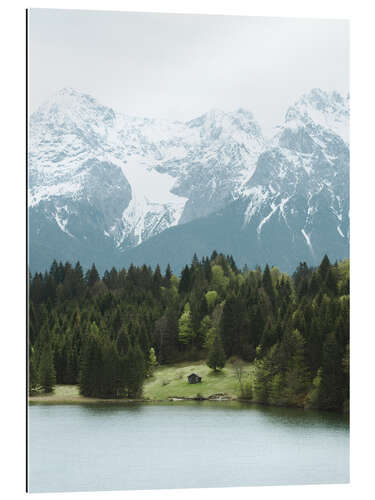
183,445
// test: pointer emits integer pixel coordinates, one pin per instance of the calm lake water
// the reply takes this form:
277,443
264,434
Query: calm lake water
183,445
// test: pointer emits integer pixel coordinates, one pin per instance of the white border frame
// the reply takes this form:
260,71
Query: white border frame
12,229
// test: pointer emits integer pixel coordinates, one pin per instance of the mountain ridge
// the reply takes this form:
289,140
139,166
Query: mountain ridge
104,184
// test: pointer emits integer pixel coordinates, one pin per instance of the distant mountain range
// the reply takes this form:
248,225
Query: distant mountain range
114,189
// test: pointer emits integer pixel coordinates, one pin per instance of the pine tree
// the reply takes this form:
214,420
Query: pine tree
92,276
216,355
123,341
33,379
229,325
185,281
268,285
324,267
90,382
331,396
135,371
168,276
47,375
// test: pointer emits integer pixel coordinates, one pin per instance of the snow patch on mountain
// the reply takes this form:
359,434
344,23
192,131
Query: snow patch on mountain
308,241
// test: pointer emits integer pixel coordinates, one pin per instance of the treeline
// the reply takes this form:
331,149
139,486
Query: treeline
108,333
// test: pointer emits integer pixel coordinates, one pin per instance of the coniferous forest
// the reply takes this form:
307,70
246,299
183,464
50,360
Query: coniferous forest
106,333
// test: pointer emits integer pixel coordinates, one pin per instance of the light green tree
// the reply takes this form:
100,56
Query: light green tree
219,281
185,328
152,362
211,299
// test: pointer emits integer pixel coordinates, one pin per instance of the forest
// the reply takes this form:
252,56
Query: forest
107,333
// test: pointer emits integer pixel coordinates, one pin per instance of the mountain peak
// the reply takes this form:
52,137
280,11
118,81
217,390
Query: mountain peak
71,106
68,91
245,112
326,109
322,101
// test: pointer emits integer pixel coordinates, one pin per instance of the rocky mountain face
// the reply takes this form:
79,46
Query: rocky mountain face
115,189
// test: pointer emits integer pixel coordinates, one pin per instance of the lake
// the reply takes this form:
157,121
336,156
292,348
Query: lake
183,445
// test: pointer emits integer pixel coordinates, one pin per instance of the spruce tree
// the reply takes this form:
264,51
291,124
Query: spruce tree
331,394
185,281
324,267
216,355
92,276
268,285
168,276
47,375
135,371
33,378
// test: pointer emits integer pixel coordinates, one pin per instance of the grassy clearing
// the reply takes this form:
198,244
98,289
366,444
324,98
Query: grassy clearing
167,381
61,393
170,381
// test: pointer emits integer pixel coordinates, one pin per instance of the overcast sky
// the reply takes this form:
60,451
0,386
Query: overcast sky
179,66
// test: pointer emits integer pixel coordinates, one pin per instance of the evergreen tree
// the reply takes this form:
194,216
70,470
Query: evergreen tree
185,281
135,371
90,383
168,276
324,267
33,379
331,395
47,375
92,276
268,285
216,355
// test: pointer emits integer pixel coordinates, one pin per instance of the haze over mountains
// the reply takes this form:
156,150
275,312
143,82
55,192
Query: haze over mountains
114,189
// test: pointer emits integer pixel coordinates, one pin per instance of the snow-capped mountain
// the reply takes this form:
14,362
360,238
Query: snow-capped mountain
156,174
104,186
305,173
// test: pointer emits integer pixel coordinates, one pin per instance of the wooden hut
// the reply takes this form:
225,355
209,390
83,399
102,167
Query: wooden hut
194,379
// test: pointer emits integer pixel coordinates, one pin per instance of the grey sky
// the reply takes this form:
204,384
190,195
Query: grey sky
179,66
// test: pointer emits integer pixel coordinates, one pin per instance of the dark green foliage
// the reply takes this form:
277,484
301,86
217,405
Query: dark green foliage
33,376
216,355
185,280
98,332
331,395
92,276
268,286
134,371
47,375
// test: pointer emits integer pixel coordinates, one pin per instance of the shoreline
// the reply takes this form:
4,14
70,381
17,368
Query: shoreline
71,396
83,400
